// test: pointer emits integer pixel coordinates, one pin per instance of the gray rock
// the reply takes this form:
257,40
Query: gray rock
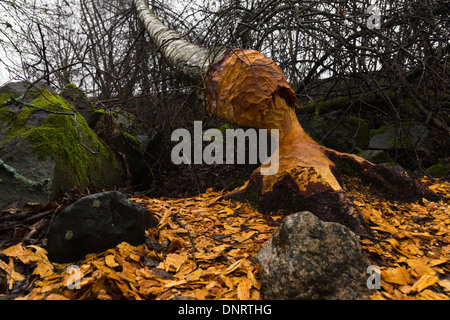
34,186
310,259
37,118
20,87
381,157
389,137
96,223
376,156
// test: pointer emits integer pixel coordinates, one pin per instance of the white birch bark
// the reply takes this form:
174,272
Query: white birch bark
188,58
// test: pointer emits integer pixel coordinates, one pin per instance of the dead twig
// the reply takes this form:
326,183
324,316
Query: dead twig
240,242
29,219
175,218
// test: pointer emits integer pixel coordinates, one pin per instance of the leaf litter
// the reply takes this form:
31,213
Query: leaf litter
410,244
204,248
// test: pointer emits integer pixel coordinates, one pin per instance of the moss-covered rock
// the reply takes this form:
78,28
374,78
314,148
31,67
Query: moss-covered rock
135,162
441,169
79,101
49,143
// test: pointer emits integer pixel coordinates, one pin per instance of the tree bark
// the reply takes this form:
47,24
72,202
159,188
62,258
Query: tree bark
247,88
187,58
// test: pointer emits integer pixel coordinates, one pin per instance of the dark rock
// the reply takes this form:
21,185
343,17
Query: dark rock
96,223
310,259
376,156
381,157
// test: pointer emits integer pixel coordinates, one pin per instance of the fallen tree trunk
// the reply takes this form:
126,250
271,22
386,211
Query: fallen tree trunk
247,88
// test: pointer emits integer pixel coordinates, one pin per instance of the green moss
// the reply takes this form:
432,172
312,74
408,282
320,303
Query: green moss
51,101
400,142
317,110
70,85
18,123
224,127
132,139
6,96
440,169
236,184
6,116
100,111
381,129
57,137
362,137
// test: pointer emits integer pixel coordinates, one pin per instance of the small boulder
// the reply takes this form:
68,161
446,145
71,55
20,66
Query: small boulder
310,259
96,223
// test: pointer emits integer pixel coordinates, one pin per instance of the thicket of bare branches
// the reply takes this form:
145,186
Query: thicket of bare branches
398,50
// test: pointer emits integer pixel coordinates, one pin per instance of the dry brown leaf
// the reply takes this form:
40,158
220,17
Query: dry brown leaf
200,294
110,262
396,275
174,261
19,252
15,276
233,267
243,289
255,283
445,284
431,295
55,296
194,275
425,281
175,283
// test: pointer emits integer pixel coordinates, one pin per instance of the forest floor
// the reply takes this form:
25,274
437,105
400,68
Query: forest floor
204,248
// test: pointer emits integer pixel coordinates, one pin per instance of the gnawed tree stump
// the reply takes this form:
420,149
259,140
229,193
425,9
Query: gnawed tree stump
247,88
250,89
